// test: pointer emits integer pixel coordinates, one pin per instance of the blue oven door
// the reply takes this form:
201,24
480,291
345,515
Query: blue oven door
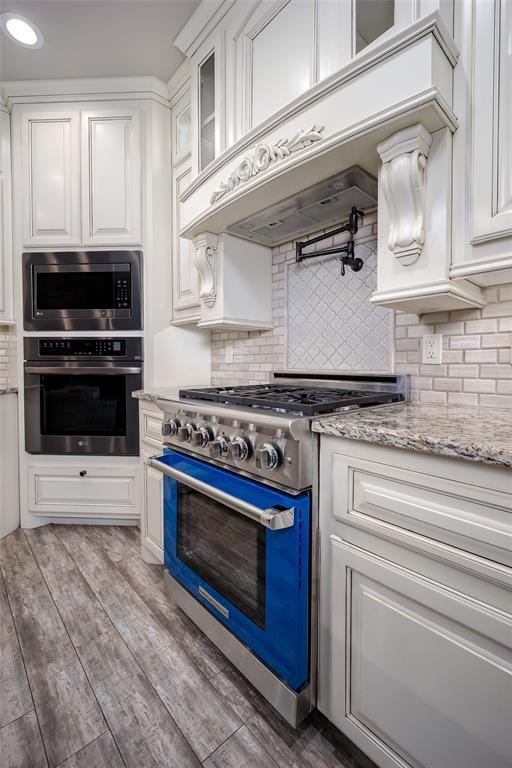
243,550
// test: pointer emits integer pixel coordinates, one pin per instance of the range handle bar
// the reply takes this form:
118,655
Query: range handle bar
273,518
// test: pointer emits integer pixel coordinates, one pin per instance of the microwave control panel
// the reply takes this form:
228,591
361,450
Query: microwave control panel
122,290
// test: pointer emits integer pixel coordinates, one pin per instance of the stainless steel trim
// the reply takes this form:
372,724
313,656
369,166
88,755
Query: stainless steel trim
275,519
294,706
214,602
67,369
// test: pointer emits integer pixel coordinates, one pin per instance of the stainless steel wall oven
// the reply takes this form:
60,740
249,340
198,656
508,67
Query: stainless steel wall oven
82,291
78,395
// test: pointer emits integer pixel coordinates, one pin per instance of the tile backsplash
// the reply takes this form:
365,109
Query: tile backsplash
475,367
7,356
323,320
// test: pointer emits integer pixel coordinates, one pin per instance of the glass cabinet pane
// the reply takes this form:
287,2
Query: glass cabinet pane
207,111
183,125
373,18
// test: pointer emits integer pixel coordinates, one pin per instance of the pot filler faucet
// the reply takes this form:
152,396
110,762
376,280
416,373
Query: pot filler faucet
345,252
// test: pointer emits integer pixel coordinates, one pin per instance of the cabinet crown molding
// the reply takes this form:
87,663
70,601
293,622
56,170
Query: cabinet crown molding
402,180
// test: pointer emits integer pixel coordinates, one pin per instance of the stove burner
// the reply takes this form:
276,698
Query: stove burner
301,400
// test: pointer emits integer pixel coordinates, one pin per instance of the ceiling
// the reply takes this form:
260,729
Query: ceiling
96,38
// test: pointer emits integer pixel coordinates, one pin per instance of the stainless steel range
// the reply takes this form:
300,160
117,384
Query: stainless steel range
241,518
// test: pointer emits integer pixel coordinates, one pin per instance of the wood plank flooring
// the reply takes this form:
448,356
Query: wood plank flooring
99,669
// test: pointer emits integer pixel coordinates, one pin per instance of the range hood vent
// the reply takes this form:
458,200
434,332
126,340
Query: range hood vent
317,207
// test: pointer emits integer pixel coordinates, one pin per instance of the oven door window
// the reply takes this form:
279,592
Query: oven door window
83,405
225,549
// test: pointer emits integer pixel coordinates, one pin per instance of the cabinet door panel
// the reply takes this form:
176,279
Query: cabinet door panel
6,277
279,57
491,189
51,179
420,673
185,277
152,526
111,177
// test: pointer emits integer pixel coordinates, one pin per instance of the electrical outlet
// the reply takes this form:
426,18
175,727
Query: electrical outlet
432,349
229,354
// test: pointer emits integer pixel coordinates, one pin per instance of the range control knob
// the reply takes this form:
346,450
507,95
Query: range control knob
218,447
239,448
170,428
201,437
185,432
268,456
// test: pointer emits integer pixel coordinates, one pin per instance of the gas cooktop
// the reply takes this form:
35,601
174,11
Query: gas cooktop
295,399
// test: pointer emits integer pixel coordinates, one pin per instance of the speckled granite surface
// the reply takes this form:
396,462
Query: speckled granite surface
8,390
475,434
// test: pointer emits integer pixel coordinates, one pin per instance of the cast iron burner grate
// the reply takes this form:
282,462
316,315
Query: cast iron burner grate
304,401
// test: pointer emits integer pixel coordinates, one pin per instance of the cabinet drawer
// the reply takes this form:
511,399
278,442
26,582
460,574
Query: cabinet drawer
151,427
100,492
398,502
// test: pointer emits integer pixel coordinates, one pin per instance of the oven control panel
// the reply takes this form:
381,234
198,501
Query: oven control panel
251,448
82,347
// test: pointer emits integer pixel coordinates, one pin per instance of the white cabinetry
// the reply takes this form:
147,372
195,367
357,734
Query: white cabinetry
81,177
185,279
482,235
111,177
416,618
84,490
151,523
9,478
51,178
6,274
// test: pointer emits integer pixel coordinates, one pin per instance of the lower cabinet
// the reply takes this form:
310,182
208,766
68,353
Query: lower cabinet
84,490
9,478
152,522
415,658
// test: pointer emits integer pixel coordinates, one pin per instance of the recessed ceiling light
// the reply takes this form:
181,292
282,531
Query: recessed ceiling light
21,30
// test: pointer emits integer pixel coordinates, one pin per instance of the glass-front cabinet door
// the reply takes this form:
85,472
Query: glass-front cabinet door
208,85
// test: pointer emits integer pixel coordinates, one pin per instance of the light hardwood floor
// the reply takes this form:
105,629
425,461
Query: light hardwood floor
99,669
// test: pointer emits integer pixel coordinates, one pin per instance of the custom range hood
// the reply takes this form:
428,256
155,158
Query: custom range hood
324,204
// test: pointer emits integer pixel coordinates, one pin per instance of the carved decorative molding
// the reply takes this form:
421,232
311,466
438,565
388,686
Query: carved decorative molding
402,181
205,250
262,155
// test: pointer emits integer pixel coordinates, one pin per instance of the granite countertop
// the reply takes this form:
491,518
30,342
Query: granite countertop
8,390
475,434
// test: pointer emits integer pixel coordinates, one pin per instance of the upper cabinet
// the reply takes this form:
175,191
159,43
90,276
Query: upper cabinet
207,103
185,278
6,292
81,177
51,178
111,177
482,188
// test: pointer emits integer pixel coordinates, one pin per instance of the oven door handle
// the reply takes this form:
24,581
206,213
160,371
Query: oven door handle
77,370
273,518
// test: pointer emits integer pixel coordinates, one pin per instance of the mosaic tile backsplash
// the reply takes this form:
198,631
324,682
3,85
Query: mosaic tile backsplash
331,323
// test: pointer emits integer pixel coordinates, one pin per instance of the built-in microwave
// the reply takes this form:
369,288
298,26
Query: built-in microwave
82,291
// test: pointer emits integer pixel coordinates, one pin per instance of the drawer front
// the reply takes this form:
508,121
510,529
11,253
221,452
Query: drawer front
99,492
419,674
151,427
394,501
